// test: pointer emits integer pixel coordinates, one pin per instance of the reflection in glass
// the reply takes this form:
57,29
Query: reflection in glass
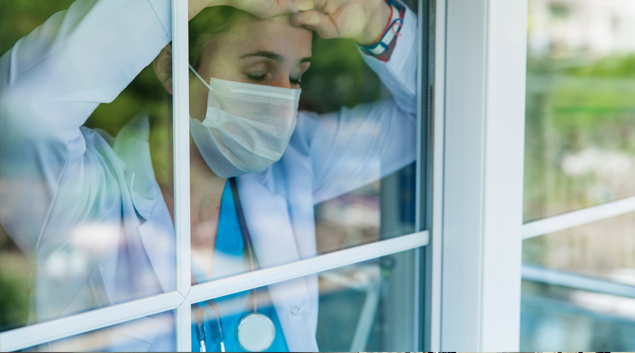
14,284
362,307
85,159
603,249
555,318
85,174
378,210
580,114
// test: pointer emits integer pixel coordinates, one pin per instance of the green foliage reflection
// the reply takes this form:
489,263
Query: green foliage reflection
573,106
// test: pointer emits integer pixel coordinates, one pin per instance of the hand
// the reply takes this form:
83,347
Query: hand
258,8
196,6
361,20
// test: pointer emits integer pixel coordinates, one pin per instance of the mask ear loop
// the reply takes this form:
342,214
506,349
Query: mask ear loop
200,78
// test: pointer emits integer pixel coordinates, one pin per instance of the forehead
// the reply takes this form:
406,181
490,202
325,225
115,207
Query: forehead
275,34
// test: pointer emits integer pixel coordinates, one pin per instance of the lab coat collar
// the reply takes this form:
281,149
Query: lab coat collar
159,245
132,146
156,232
267,216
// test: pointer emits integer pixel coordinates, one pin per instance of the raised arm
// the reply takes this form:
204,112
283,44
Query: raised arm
354,147
50,83
52,80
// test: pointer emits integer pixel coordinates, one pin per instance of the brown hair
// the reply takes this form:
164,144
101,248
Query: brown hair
210,24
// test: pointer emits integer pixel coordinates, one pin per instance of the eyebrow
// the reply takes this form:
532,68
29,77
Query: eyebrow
273,56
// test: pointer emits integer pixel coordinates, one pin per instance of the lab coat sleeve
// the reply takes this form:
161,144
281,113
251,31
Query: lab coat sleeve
50,83
354,147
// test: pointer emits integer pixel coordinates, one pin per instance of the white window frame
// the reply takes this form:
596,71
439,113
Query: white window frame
478,181
181,299
477,232
477,227
29,336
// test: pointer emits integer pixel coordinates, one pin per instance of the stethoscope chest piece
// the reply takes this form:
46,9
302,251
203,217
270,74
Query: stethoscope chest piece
255,332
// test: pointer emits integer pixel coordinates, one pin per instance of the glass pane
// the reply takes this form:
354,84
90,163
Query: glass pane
150,334
85,157
559,318
292,134
363,307
555,318
603,249
579,116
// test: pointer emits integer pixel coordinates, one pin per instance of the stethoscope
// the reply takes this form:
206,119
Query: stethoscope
255,332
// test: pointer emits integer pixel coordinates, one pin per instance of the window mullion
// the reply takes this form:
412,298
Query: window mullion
576,281
578,218
33,335
485,75
243,282
181,136
435,249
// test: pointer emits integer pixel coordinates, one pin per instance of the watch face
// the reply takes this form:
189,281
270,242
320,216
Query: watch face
255,332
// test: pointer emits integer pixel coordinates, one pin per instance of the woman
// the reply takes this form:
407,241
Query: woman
69,192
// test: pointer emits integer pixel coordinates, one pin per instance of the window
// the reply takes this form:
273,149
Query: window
56,220
347,257
577,249
477,214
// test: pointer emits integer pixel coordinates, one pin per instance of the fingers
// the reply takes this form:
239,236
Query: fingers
269,8
283,7
196,6
302,5
306,18
316,21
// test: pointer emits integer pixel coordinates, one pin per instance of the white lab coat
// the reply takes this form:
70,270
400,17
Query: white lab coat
86,207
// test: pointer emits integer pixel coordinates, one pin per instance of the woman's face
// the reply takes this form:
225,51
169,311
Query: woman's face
270,52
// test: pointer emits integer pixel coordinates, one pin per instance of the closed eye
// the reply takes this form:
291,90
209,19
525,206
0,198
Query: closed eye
257,78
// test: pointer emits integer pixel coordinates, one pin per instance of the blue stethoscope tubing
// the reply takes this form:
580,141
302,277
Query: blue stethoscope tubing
199,316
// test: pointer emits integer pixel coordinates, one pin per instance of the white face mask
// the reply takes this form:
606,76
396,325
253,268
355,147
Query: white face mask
247,126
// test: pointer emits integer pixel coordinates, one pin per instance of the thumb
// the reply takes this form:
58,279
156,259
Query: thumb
268,8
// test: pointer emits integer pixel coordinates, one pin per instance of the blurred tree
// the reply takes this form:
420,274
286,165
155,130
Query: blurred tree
574,104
